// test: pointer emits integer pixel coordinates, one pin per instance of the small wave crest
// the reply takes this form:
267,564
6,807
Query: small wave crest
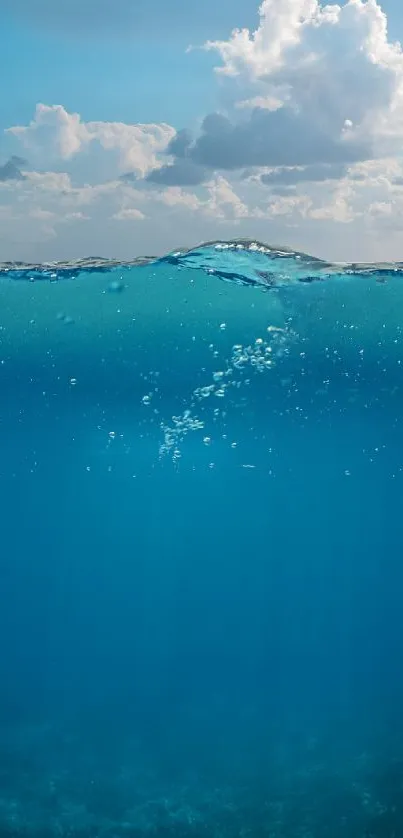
243,261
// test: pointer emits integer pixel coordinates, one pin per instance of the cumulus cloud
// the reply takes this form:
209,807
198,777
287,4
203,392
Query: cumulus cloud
308,106
316,172
55,209
296,104
307,141
56,133
183,171
174,197
129,215
224,202
268,103
340,205
180,173
46,216
380,208
290,206
281,138
296,51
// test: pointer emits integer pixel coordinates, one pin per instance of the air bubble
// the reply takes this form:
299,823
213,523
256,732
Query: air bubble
258,357
64,318
116,286
174,434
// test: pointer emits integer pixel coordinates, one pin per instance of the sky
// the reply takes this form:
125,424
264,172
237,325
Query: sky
132,128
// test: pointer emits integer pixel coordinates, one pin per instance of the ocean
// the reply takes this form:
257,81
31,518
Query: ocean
201,487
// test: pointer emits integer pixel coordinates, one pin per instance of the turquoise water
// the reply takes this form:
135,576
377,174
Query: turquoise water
201,489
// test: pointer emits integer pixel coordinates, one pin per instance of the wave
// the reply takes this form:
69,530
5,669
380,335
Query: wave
243,261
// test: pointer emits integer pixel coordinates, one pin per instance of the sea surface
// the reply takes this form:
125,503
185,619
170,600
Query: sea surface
201,589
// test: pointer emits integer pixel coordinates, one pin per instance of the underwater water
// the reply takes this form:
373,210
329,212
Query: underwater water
201,488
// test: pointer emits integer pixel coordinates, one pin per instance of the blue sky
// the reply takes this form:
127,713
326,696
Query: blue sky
292,133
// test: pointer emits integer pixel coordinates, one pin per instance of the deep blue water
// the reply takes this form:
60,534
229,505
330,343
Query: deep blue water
201,486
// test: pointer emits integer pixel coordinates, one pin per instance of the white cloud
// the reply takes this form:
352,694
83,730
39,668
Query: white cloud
268,103
325,83
217,199
224,202
289,206
311,140
380,208
174,196
56,133
129,215
41,214
260,53
47,217
47,209
340,206
48,181
74,216
302,48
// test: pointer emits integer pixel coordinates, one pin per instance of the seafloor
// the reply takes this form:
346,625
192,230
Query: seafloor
110,782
